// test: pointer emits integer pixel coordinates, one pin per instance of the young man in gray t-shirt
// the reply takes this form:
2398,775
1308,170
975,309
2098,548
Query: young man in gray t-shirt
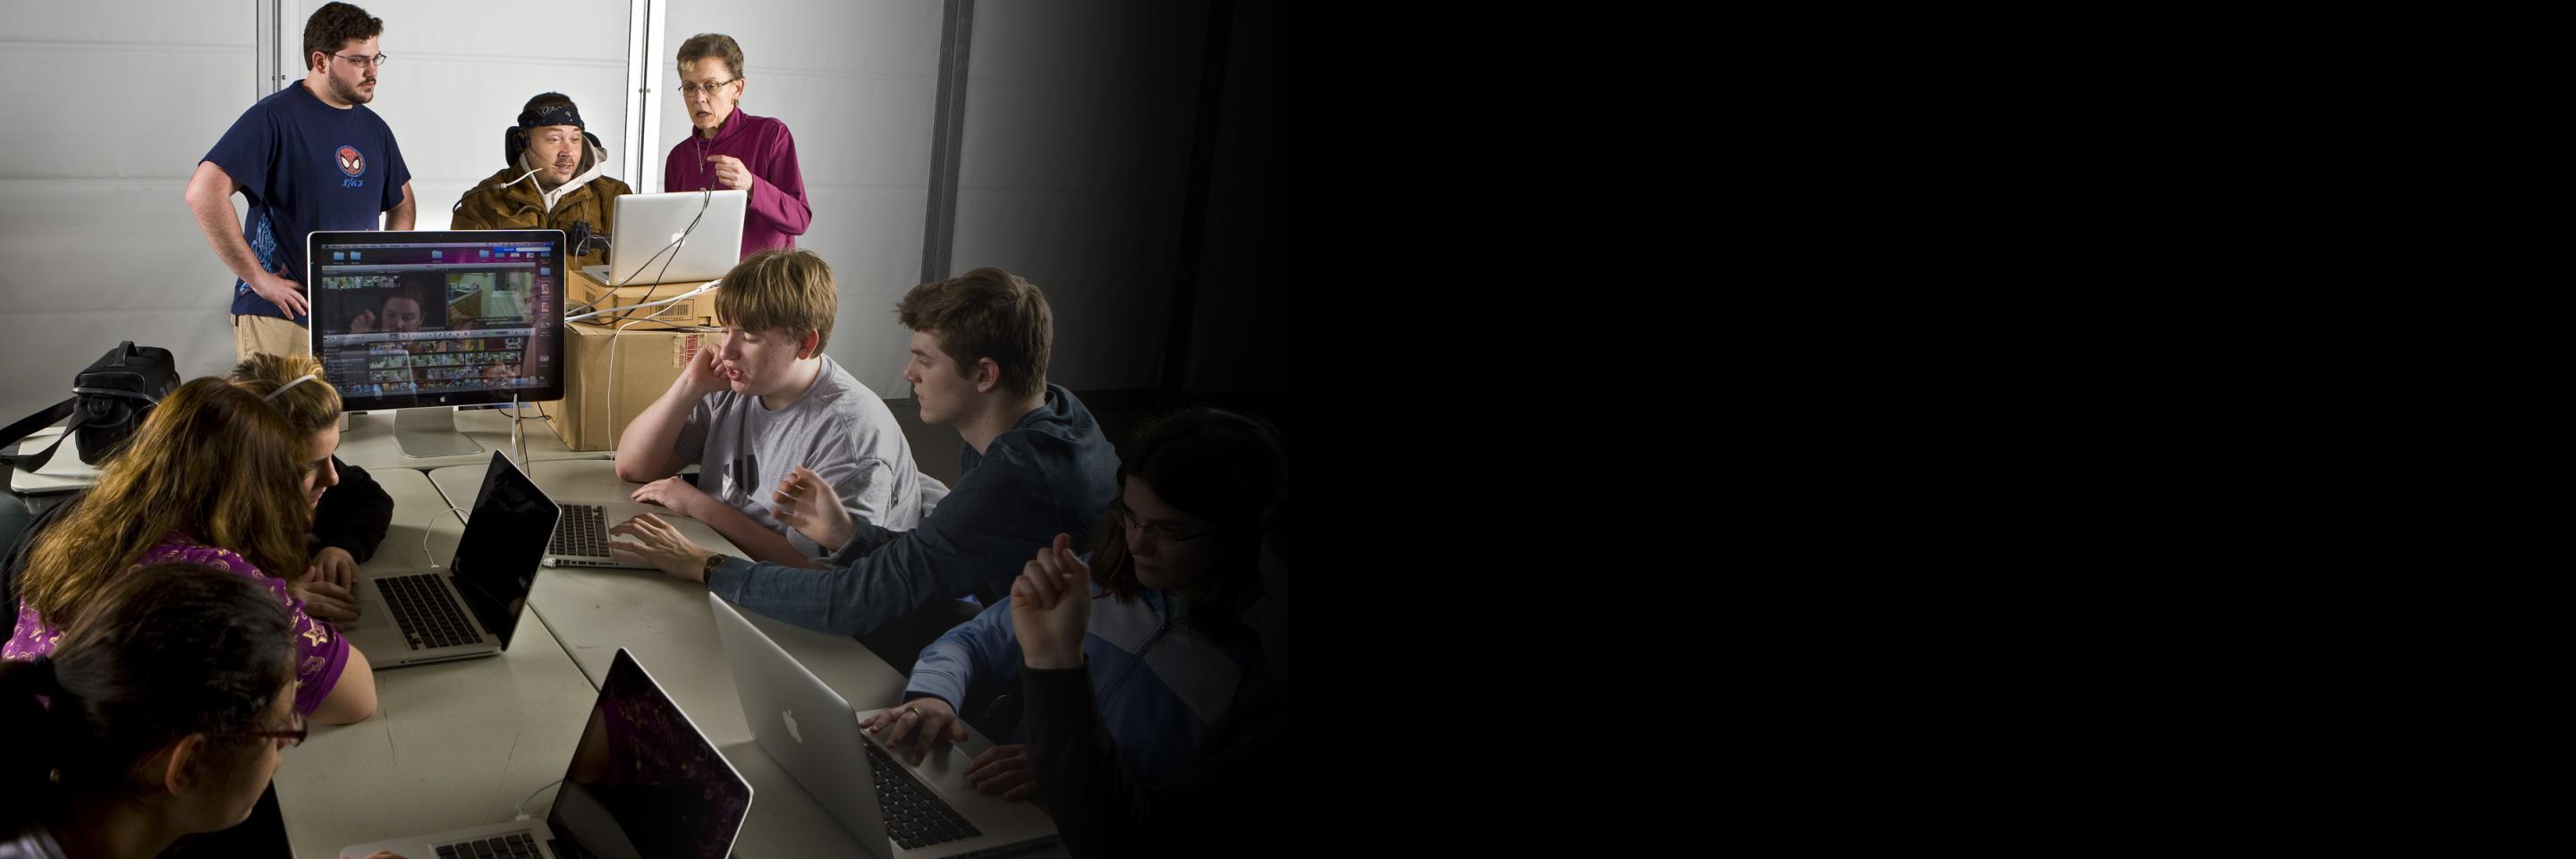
751,410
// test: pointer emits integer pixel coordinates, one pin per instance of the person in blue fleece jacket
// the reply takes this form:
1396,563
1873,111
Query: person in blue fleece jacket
1177,673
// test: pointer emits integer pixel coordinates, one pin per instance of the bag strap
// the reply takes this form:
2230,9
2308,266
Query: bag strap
28,425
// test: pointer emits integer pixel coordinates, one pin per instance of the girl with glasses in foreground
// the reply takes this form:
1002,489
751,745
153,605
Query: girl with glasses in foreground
164,710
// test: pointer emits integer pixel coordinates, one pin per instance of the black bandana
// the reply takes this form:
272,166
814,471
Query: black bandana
551,114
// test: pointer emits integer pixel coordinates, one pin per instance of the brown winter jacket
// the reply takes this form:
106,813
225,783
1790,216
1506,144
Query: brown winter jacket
588,197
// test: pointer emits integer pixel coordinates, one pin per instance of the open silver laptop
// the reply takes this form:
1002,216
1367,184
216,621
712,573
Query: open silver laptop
893,808
470,608
681,237
644,782
581,539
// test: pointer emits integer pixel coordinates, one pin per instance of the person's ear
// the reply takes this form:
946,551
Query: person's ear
173,764
988,375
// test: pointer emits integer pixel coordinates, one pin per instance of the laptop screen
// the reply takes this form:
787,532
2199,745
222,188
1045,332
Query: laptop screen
645,782
679,237
504,543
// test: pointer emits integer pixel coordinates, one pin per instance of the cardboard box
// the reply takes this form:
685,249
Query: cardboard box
613,375
697,311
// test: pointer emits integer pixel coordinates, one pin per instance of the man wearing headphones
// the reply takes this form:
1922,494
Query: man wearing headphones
554,179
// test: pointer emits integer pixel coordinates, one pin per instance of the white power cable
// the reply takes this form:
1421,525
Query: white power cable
532,797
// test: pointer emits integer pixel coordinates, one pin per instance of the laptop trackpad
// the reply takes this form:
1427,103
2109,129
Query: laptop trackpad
946,772
371,614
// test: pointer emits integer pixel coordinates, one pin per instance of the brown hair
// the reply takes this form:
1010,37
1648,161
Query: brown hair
716,45
1218,466
212,463
334,26
986,313
780,288
312,407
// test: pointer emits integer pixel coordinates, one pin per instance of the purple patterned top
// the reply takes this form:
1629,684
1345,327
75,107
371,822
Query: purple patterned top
320,652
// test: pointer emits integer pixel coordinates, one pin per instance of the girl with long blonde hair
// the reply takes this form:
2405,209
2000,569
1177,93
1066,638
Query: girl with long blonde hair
215,476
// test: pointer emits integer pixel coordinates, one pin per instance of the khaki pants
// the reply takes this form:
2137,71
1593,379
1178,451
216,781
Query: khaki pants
268,334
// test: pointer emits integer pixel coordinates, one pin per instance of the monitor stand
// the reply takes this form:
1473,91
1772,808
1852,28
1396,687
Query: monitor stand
431,433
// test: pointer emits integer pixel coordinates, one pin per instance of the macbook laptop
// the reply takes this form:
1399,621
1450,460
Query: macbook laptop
644,783
682,237
893,808
470,608
581,539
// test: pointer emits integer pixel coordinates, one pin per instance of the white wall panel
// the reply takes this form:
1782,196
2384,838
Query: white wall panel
96,243
130,21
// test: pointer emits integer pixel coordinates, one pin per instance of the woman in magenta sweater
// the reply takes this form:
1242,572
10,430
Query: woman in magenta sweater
728,149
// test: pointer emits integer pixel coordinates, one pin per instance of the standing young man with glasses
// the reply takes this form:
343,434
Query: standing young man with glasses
310,157
1035,465
728,149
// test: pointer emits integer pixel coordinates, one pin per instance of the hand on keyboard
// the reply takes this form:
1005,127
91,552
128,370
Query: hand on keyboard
663,547
324,600
927,724
677,493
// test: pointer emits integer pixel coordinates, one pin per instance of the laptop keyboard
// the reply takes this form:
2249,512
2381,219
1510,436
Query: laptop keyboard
425,611
583,532
511,846
914,817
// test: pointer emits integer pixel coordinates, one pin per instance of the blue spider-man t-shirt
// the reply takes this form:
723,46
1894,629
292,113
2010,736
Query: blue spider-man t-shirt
306,166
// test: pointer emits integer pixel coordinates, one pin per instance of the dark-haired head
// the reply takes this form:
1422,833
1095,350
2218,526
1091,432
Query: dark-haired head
1192,490
155,695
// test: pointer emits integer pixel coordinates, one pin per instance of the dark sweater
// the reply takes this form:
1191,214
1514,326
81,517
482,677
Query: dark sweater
1234,804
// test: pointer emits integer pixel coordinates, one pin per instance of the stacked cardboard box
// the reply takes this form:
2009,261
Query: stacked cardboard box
621,304
621,361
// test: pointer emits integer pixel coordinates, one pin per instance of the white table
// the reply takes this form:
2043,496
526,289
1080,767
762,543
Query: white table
369,441
62,474
666,623
665,620
452,744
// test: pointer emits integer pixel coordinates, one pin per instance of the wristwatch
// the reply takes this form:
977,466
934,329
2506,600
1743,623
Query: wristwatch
707,572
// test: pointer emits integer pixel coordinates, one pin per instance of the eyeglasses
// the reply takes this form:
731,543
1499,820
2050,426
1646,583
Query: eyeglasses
705,89
293,737
376,61
1166,532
